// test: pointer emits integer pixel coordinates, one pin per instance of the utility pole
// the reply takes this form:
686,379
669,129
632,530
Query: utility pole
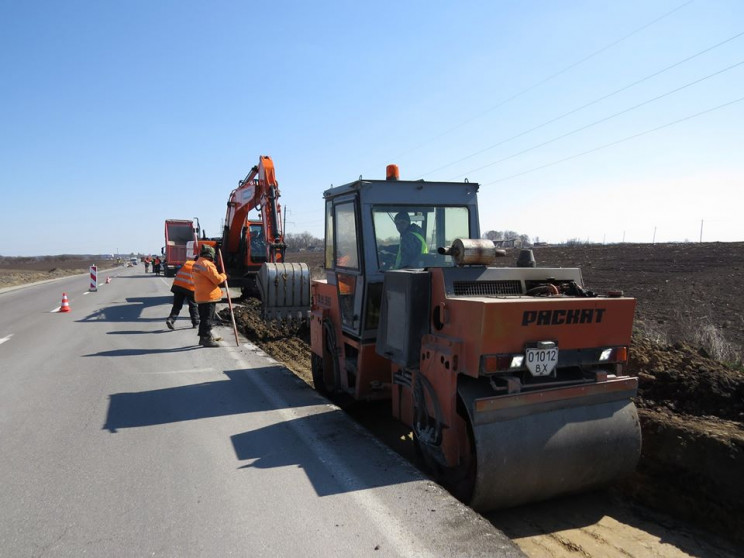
654,240
701,231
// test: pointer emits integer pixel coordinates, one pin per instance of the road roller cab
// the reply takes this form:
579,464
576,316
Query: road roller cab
510,378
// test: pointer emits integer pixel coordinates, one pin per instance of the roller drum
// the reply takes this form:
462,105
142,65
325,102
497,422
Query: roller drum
539,456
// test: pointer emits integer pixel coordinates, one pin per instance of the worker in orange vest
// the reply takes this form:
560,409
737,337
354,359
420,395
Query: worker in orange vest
207,293
183,290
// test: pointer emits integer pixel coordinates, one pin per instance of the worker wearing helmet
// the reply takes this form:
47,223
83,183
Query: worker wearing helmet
183,290
207,292
412,242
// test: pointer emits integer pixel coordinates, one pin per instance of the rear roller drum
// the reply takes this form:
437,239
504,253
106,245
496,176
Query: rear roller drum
427,442
326,381
316,366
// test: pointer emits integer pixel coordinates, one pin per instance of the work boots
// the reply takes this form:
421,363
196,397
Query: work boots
208,342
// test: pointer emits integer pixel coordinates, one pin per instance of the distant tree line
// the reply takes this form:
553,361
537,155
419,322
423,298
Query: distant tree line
301,242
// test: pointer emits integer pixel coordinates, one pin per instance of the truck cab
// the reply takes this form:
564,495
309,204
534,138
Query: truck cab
178,234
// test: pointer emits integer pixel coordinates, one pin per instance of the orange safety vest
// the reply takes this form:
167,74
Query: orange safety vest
184,278
206,281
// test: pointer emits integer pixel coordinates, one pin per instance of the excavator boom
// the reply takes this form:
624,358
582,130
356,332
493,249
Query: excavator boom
250,244
259,190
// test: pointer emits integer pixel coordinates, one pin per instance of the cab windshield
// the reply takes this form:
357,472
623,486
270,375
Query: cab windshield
408,236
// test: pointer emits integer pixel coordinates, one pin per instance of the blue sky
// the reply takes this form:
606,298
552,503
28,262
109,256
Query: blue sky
594,120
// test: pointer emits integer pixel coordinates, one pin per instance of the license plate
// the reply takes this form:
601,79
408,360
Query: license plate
541,360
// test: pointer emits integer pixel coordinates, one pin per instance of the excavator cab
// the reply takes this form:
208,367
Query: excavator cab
257,253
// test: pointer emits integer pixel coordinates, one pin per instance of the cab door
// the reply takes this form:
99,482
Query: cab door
345,260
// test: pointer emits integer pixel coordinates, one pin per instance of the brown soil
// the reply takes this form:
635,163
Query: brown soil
691,405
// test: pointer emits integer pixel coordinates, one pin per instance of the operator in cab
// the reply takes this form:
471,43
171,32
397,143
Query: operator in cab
412,242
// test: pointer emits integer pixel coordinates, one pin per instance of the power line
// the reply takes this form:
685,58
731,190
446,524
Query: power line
590,103
611,144
601,120
549,78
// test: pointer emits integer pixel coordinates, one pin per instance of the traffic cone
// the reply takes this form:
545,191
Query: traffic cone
65,304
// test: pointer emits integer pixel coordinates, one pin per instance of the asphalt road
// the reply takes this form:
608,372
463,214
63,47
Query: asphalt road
120,437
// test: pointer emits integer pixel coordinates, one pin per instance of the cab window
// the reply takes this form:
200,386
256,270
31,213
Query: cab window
439,225
347,251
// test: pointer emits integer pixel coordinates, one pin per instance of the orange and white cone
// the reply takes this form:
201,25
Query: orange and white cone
65,304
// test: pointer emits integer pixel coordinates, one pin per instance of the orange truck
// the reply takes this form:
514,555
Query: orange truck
178,234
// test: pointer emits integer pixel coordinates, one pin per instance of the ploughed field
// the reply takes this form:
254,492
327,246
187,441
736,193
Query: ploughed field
687,349
23,270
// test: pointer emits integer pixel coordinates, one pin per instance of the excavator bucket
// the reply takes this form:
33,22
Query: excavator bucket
285,291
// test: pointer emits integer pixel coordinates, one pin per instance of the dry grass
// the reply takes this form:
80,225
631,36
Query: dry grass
703,334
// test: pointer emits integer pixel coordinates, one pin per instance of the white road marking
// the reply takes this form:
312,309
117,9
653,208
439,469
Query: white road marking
57,309
6,338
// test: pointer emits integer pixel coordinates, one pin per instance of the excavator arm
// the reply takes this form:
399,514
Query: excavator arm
258,190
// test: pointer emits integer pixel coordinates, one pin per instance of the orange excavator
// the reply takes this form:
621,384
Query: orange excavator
249,243
253,248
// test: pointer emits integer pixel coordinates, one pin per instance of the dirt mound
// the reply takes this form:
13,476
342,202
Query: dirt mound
691,409
287,342
685,380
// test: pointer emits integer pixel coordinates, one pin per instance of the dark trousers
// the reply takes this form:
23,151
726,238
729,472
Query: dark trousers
178,300
206,318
